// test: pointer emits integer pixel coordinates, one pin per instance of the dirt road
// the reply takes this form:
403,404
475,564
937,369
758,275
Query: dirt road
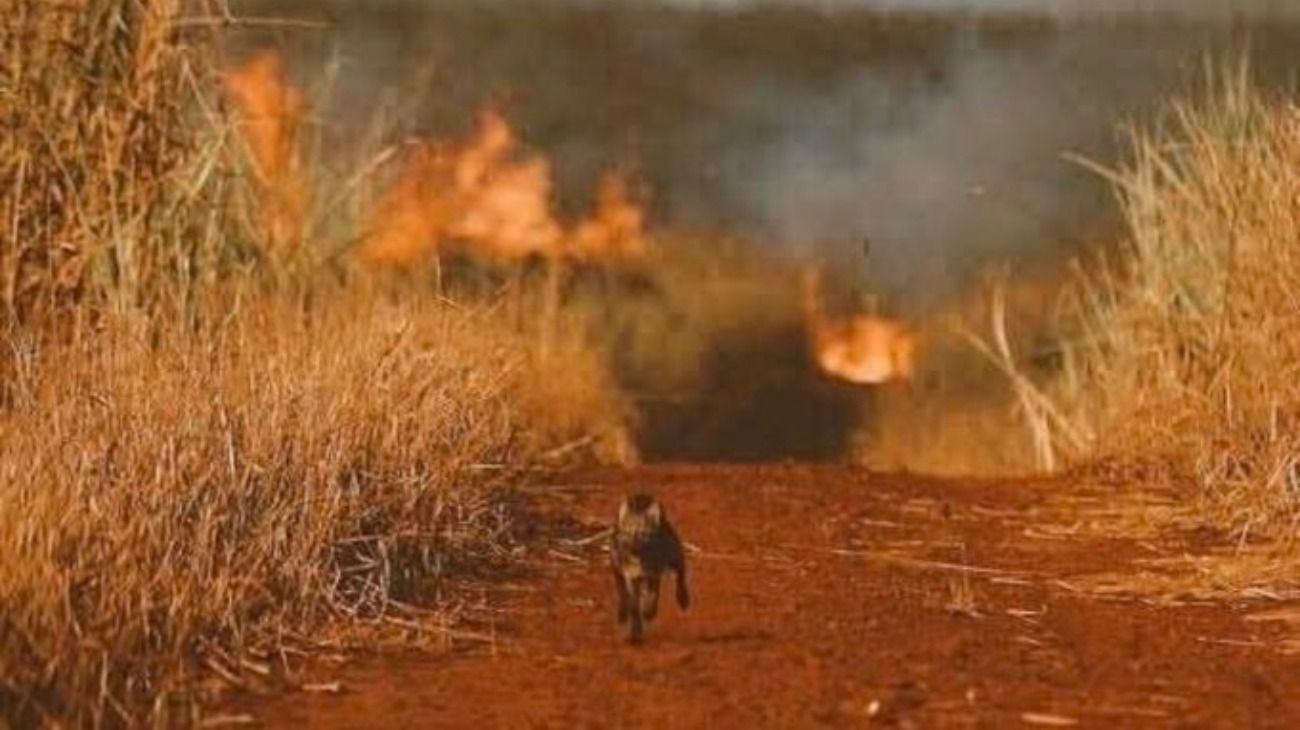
827,596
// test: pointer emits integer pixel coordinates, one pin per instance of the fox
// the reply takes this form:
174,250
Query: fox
644,544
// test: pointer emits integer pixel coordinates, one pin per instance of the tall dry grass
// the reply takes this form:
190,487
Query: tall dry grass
1185,343
179,503
210,455
106,192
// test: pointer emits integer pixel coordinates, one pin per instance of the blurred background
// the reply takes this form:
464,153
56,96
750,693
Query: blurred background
937,129
949,139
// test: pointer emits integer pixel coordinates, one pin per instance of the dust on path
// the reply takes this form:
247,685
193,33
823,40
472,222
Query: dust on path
830,596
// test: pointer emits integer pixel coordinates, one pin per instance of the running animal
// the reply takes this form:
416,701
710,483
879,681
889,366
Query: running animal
642,546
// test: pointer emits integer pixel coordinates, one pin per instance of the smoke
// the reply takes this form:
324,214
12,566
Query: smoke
939,136
945,179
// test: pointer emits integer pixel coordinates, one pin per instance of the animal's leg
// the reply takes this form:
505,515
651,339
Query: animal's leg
652,597
683,594
676,561
620,587
636,629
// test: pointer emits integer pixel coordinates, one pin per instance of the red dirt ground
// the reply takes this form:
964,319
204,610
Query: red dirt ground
830,596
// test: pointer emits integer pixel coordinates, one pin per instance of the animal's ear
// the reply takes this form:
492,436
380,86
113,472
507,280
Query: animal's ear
622,511
654,513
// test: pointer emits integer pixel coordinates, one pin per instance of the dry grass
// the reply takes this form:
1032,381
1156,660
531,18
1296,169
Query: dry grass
208,453
1184,344
238,487
1189,346
105,194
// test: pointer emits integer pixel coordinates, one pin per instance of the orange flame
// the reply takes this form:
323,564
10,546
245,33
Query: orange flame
476,193
504,205
271,113
493,201
864,349
616,231
413,216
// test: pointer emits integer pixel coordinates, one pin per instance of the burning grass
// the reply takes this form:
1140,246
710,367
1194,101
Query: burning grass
271,111
955,413
715,355
487,197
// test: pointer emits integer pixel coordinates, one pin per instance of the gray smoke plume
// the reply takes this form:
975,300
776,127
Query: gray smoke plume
944,179
937,129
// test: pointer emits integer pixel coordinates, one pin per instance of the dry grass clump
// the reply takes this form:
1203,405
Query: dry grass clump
103,190
232,489
1187,344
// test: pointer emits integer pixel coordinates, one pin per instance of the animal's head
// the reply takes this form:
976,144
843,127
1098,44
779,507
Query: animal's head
640,512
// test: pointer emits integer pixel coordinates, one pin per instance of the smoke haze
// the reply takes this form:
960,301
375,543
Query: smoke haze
938,135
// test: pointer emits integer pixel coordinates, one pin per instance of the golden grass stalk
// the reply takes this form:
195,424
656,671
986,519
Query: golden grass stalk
1053,433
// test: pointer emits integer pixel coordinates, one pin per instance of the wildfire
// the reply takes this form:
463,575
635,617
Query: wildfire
271,115
484,195
491,200
616,230
503,198
411,218
865,349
